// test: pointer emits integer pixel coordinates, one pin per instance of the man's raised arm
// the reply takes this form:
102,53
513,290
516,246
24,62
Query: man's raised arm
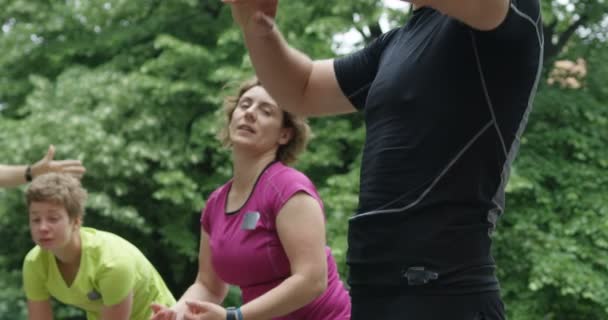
297,83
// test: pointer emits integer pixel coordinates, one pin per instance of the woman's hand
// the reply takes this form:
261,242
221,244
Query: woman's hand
161,312
200,310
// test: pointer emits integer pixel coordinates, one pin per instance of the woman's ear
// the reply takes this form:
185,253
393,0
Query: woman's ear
78,222
286,135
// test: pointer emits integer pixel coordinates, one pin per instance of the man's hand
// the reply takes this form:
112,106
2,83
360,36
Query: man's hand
255,17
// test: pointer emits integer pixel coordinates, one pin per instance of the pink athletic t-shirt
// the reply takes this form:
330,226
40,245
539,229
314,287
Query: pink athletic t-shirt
245,246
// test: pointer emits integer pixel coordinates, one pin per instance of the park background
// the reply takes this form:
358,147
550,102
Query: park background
133,88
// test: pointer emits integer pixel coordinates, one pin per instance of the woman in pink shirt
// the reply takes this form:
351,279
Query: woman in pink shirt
264,230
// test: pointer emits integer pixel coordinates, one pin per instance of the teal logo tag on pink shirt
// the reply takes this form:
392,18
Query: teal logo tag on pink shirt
94,295
250,220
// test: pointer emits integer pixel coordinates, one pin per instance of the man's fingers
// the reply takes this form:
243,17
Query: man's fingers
269,7
265,21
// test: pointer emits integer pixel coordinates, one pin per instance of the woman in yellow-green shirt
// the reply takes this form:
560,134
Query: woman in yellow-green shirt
97,271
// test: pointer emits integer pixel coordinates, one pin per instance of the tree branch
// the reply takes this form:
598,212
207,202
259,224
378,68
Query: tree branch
553,49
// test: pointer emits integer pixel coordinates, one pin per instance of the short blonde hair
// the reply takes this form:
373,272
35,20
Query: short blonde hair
287,153
58,188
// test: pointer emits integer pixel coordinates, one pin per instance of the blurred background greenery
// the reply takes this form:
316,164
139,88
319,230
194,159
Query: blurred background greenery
133,89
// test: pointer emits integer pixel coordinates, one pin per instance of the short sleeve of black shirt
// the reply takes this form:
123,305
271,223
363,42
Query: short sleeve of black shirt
356,72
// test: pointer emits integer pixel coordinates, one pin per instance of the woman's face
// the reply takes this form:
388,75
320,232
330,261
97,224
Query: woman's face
257,122
50,225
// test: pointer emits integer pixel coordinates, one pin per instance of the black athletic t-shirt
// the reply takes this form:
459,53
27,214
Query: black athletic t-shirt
444,108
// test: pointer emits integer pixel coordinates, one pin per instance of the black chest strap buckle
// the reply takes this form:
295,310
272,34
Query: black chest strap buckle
417,276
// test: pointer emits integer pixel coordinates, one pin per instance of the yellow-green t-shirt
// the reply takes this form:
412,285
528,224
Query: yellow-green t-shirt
110,268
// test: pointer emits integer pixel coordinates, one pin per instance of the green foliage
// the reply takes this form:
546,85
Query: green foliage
12,306
557,206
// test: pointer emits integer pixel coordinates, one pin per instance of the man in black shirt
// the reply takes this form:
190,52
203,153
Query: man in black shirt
445,100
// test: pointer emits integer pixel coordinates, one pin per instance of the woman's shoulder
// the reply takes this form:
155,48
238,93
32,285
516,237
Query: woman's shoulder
282,182
281,173
219,191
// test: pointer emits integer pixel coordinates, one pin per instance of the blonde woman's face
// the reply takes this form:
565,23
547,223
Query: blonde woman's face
257,122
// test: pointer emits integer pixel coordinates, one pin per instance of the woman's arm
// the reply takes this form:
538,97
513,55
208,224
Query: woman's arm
39,310
207,286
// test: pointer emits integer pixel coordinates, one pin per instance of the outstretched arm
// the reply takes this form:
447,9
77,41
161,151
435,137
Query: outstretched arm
14,175
297,83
